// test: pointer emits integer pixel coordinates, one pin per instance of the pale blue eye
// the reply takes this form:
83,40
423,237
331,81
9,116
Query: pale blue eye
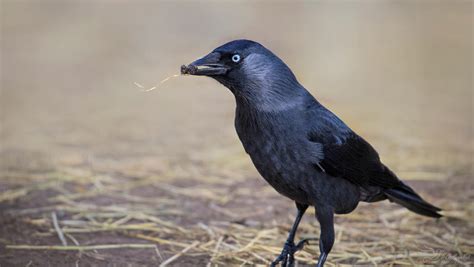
236,58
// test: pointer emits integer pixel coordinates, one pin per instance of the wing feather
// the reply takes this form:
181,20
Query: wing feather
346,154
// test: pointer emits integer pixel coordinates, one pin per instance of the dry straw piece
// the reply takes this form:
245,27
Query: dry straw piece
143,89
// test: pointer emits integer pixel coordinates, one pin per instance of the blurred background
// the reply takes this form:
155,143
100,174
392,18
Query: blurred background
73,122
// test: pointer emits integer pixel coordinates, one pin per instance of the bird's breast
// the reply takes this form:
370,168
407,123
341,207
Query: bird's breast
278,153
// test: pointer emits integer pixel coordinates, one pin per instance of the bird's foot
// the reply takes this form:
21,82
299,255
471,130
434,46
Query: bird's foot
287,257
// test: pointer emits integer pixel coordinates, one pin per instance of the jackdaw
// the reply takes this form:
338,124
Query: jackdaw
300,147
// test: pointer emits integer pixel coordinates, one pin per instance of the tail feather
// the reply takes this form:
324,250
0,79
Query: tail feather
408,198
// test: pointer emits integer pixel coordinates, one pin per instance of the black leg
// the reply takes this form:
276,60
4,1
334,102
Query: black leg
325,217
287,254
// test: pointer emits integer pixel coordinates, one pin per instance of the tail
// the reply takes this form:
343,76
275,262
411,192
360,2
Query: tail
408,198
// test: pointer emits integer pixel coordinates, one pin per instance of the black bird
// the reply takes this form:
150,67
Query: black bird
301,148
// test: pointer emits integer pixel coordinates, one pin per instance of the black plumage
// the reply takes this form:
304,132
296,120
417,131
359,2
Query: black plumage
299,147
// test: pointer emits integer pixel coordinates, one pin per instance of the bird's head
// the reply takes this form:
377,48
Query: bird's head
248,69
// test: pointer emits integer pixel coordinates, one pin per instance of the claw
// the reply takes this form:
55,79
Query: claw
303,242
287,254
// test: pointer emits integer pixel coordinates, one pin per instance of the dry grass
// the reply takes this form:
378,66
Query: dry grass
143,89
222,221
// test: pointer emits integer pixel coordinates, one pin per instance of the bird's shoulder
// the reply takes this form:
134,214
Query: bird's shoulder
324,125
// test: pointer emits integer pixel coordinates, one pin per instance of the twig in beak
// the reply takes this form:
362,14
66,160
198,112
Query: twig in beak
142,88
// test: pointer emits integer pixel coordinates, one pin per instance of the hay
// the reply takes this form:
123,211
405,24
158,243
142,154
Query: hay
173,258
238,225
94,247
58,229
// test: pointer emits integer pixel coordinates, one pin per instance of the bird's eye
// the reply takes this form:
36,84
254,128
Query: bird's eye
236,58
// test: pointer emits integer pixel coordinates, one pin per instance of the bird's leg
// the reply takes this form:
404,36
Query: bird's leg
289,249
325,217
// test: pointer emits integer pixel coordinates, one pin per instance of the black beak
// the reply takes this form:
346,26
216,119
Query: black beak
206,66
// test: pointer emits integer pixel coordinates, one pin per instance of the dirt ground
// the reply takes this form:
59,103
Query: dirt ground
94,172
